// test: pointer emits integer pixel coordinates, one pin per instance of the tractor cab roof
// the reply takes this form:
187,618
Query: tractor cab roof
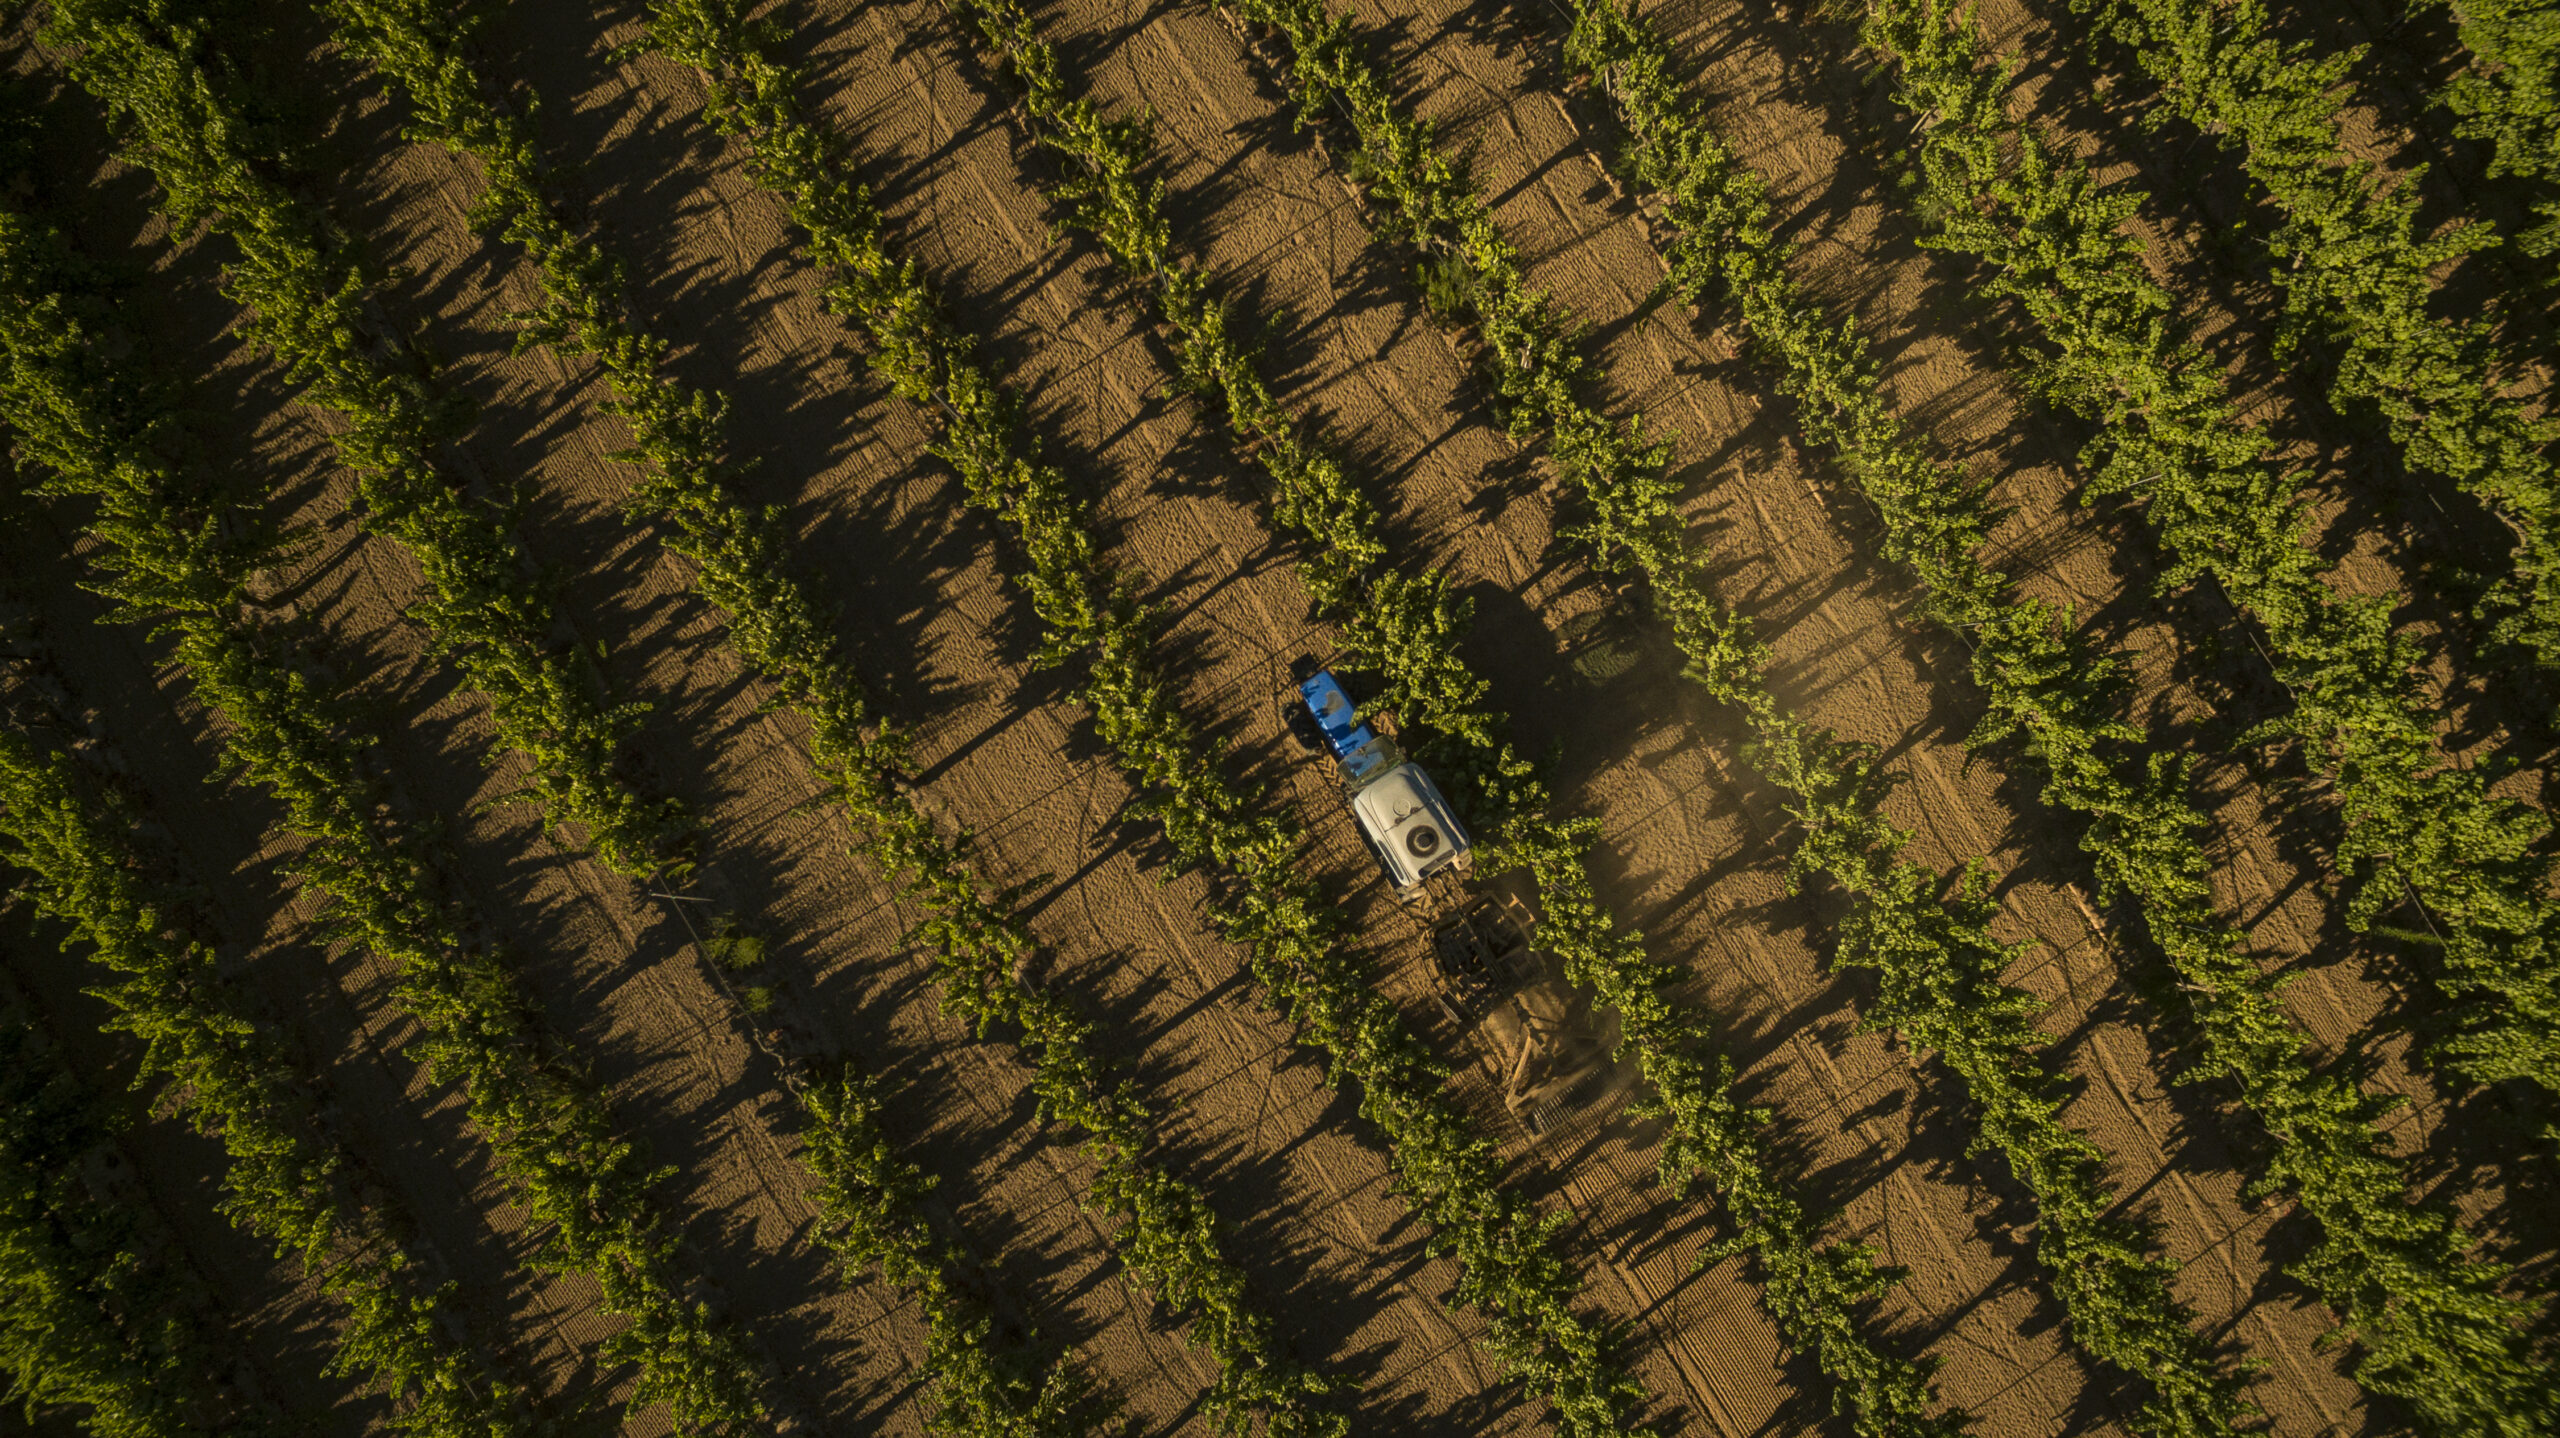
1412,827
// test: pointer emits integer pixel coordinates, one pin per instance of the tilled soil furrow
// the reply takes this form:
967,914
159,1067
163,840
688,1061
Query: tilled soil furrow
1693,839
404,1131
2074,927
1170,109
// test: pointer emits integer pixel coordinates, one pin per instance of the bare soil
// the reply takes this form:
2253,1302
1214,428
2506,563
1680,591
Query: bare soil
1694,844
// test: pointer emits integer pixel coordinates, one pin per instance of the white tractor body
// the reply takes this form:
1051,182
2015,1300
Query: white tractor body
1410,826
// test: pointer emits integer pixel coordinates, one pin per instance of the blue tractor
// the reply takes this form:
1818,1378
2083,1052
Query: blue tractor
1479,940
1398,810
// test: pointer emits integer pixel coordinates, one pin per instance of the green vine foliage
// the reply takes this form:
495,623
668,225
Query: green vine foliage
2168,431
492,617
282,1179
1544,1337
87,1322
1505,1247
494,620
867,1216
2356,277
287,728
2429,1317
2509,95
1927,938
308,296
1172,1240
1404,628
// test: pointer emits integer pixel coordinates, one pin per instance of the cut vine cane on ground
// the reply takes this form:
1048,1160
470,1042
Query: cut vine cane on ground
585,1187
1171,1240
2434,1330
1939,968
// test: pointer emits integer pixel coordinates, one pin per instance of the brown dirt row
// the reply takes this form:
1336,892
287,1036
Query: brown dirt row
2192,702
872,129
2393,119
360,617
2386,529
2327,1011
870,124
2393,530
150,726
360,567
929,616
1262,259
1434,49
1134,935
224,1286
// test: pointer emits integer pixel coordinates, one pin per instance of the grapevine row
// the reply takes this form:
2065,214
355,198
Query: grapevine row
491,616
308,301
487,611
1506,1249
2438,1335
2509,95
867,1196
2356,278
85,1318
2428,1316
1941,965
282,1180
287,729
1927,939
1172,1240
1405,629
